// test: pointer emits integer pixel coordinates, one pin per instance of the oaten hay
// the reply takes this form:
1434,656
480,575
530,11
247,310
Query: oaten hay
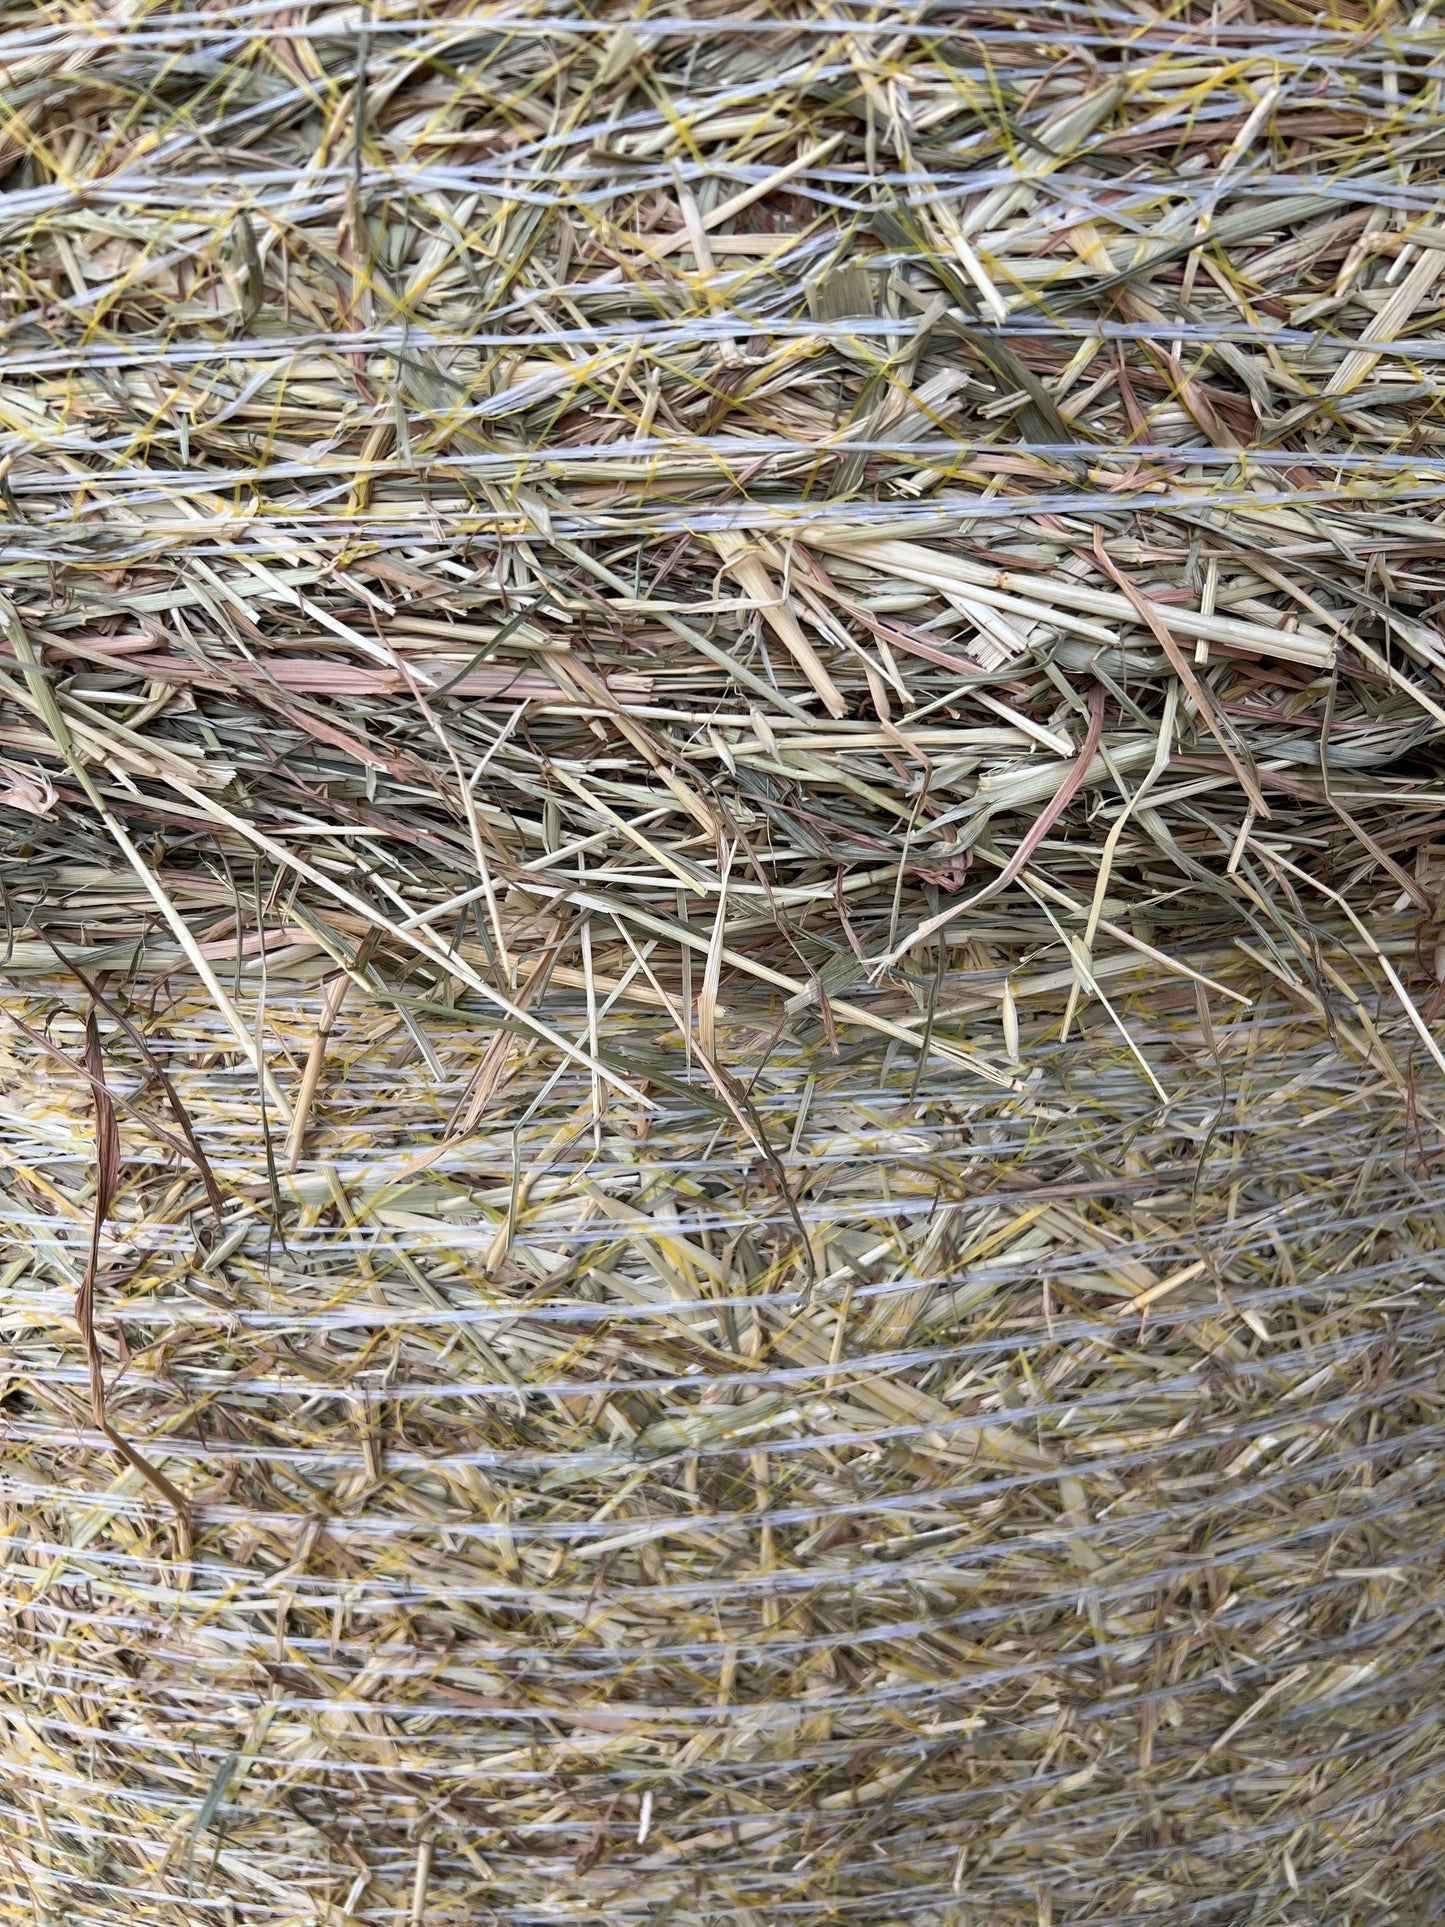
720,768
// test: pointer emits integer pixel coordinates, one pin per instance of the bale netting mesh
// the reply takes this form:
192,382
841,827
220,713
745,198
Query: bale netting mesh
723,847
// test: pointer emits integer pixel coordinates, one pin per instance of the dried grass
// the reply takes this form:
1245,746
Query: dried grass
722,872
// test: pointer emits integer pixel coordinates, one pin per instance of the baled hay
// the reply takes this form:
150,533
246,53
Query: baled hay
721,738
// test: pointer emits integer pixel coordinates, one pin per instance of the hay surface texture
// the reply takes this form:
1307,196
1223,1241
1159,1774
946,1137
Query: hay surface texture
723,827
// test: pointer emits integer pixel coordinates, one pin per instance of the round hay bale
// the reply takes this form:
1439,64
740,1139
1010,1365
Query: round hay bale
721,793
